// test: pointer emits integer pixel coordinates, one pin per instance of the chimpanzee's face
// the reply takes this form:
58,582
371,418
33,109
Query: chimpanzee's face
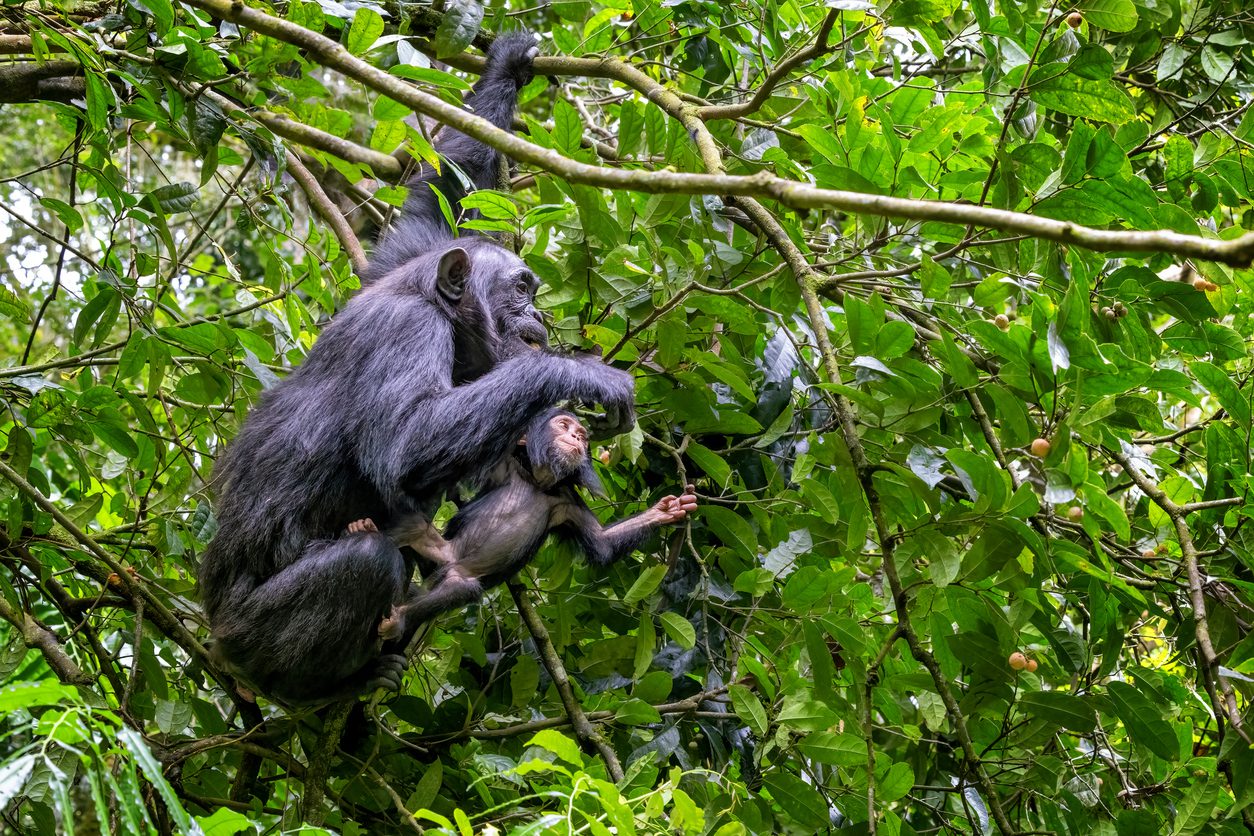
511,302
570,439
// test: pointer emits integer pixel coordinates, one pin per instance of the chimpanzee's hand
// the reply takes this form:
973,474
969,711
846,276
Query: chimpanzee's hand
612,388
673,509
511,56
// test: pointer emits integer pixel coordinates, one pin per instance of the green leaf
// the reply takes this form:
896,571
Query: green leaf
1054,87
559,744
645,584
822,139
1112,15
834,748
1144,721
679,629
153,772
116,437
1219,384
366,28
710,463
1062,709
896,783
797,800
48,408
567,126
636,713
1197,807
387,135
175,197
225,822
13,306
733,529
748,708
29,694
458,26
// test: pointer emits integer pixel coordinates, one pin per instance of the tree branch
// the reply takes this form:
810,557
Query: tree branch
1223,698
52,81
328,211
38,636
587,734
1238,252
776,75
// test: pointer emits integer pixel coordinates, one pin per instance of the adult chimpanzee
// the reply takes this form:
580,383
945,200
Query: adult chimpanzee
427,377
525,497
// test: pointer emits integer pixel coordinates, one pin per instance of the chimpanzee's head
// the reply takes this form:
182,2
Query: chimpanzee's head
557,444
490,294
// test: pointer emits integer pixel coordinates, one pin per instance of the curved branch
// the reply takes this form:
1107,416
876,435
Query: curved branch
778,74
46,642
1238,251
328,211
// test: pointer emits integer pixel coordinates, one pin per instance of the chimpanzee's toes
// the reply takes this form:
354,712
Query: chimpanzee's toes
388,672
363,526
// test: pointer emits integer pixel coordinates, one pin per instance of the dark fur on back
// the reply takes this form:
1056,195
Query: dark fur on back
404,394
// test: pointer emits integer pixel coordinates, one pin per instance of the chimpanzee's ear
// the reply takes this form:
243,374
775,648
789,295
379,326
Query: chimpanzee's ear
450,276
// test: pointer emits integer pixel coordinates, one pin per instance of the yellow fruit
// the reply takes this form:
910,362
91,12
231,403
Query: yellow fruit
1040,447
1075,513
1018,661
1032,666
1001,321
1074,20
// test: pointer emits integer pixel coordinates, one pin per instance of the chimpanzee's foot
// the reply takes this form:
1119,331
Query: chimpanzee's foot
365,526
245,694
392,626
388,672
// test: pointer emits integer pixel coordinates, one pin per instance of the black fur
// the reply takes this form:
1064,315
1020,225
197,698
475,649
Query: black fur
409,390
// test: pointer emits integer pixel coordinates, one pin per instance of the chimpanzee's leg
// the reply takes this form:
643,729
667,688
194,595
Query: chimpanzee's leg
311,631
447,590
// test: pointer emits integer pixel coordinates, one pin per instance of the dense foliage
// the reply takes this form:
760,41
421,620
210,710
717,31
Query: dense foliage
970,554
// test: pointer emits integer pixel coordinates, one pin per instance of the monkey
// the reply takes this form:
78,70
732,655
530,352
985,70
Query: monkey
528,495
427,376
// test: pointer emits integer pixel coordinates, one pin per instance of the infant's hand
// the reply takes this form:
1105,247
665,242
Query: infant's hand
672,509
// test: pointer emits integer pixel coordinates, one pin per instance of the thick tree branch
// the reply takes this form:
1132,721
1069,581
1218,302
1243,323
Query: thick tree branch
1239,251
53,81
38,636
384,166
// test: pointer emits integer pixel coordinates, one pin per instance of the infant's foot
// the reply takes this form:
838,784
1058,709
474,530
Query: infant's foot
391,627
363,526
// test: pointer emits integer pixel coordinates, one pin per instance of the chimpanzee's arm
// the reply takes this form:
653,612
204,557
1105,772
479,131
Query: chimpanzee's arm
495,96
603,545
446,436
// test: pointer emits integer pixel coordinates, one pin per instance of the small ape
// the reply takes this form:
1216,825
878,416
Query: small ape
498,533
427,377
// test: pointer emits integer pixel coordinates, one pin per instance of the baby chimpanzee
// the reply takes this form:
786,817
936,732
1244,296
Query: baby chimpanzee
528,495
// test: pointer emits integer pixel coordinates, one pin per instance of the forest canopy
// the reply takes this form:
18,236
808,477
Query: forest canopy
944,307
